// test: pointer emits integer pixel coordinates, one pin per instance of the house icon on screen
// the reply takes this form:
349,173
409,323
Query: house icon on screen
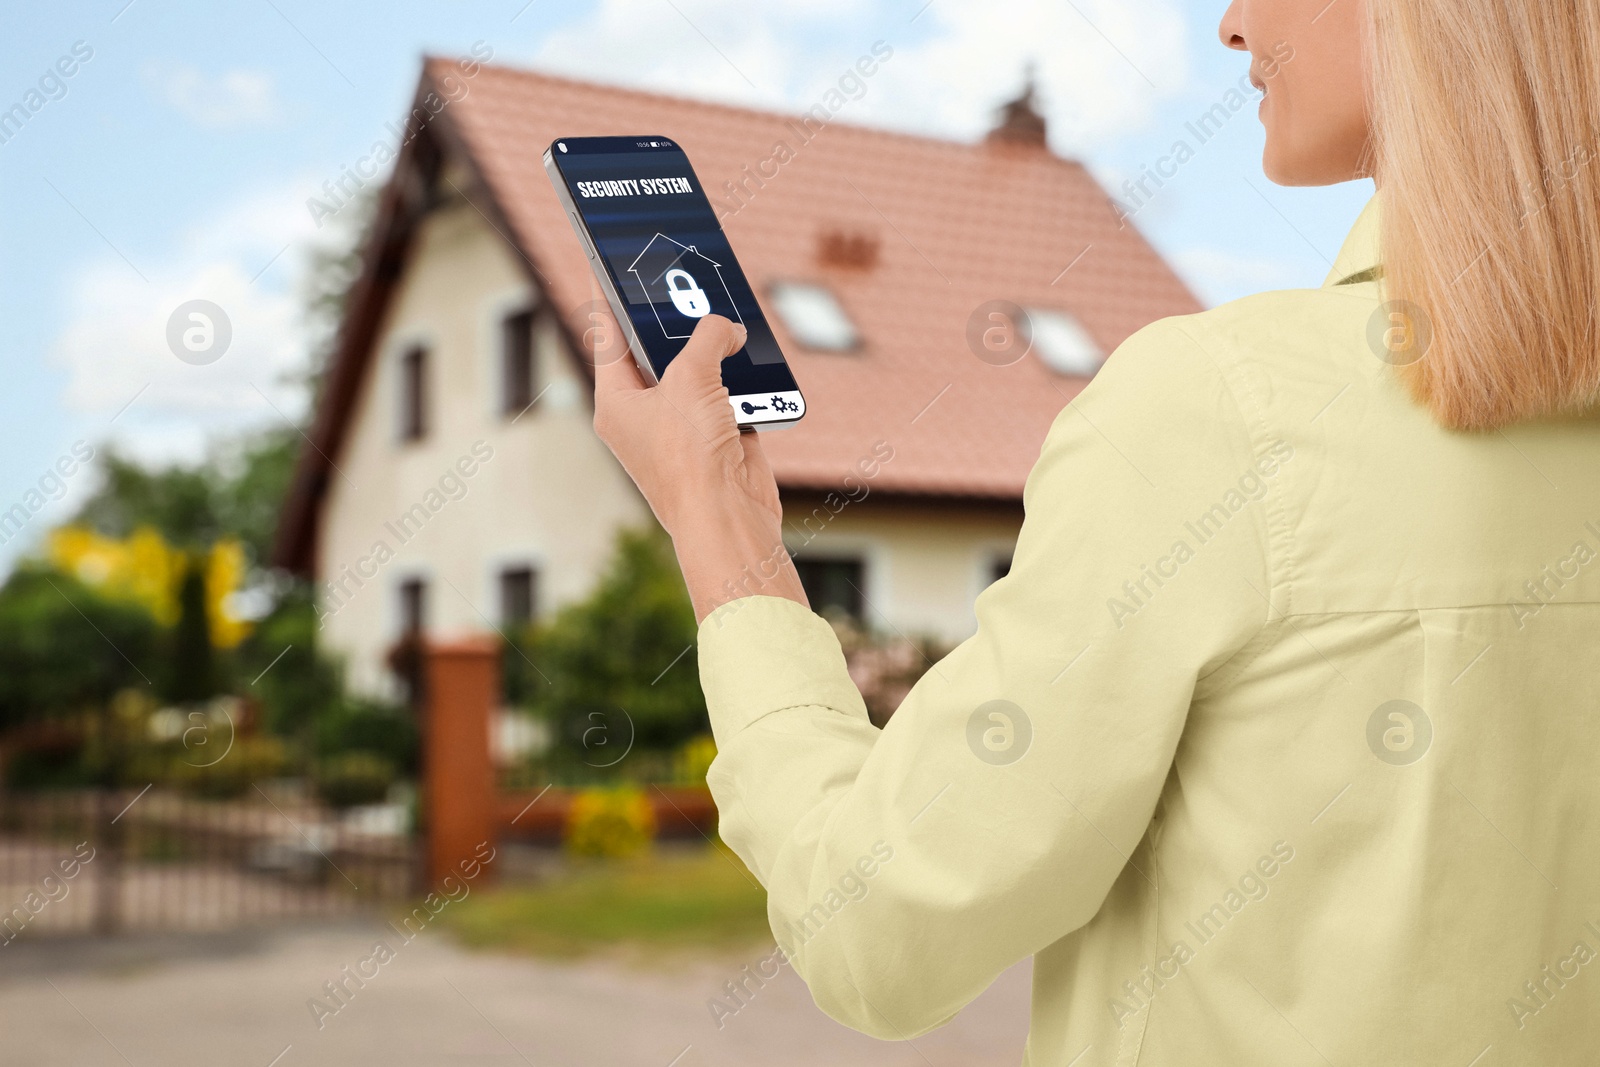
650,269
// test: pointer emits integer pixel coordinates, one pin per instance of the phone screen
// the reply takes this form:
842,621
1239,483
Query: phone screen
664,250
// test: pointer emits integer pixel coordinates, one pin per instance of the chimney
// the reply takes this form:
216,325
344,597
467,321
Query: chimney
1020,122
850,249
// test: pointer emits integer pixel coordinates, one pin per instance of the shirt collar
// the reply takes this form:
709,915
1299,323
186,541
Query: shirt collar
1358,259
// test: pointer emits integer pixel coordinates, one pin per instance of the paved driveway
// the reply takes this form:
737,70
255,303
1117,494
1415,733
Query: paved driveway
242,1000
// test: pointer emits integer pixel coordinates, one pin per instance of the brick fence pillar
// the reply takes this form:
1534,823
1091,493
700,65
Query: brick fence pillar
462,689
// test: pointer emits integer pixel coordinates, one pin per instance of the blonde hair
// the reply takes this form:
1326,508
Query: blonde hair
1485,118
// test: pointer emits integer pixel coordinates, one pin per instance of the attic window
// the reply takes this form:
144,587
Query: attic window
1062,343
414,394
814,317
516,363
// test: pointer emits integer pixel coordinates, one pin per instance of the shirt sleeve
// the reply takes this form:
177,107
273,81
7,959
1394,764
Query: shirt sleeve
907,867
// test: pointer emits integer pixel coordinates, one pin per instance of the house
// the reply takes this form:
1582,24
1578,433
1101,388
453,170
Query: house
452,479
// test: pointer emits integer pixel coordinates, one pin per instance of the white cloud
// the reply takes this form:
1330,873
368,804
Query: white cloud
232,99
115,348
1102,72
1218,276
705,48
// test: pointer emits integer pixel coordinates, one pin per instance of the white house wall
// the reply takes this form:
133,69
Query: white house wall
550,495
924,567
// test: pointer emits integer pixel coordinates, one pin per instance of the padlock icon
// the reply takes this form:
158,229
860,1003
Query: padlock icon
691,301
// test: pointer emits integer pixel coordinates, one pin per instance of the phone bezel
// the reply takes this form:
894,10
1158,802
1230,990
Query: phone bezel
614,301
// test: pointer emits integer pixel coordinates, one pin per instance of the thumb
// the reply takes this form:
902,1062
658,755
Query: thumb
699,365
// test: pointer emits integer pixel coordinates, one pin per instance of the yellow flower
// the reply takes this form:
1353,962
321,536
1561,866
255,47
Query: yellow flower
224,575
693,760
144,569
610,822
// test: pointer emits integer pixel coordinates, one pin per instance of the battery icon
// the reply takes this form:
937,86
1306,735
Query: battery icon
654,144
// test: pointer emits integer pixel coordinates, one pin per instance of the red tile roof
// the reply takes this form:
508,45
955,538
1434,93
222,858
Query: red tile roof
955,225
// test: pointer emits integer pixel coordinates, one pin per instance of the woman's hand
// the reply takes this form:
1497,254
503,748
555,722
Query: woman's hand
708,484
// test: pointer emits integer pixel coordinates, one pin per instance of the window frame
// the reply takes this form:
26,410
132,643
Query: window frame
411,612
519,370
775,295
502,577
415,403
1095,351
805,562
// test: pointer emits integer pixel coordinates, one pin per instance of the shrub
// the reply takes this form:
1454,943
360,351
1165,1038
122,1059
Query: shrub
355,778
356,725
50,756
622,657
693,760
251,760
296,681
886,668
610,822
65,649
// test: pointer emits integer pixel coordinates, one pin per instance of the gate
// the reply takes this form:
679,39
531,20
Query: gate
105,860
108,859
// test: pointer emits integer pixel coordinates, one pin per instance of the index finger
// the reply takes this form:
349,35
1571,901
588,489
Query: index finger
606,349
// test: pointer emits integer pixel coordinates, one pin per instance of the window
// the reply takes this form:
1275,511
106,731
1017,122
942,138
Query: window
414,394
516,363
1062,343
833,586
405,658
813,316
413,606
518,596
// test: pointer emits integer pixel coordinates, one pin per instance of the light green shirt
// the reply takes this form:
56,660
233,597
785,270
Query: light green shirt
1279,744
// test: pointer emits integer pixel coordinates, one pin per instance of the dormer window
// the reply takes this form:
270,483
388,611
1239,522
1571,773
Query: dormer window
814,317
1062,343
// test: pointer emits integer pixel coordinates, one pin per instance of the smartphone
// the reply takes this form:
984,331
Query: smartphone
664,264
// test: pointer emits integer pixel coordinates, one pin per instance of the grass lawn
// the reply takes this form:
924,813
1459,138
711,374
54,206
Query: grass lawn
703,898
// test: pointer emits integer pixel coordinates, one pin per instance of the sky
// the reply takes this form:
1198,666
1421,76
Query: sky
170,149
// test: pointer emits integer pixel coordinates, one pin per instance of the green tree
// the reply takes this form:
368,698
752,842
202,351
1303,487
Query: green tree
54,662
65,649
180,502
335,264
191,669
280,665
623,656
302,692
237,492
251,478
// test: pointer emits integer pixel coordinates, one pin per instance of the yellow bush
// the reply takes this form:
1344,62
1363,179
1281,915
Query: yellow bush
693,760
610,822
249,760
145,569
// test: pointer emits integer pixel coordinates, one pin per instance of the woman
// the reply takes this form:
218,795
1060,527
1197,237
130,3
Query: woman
1278,744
